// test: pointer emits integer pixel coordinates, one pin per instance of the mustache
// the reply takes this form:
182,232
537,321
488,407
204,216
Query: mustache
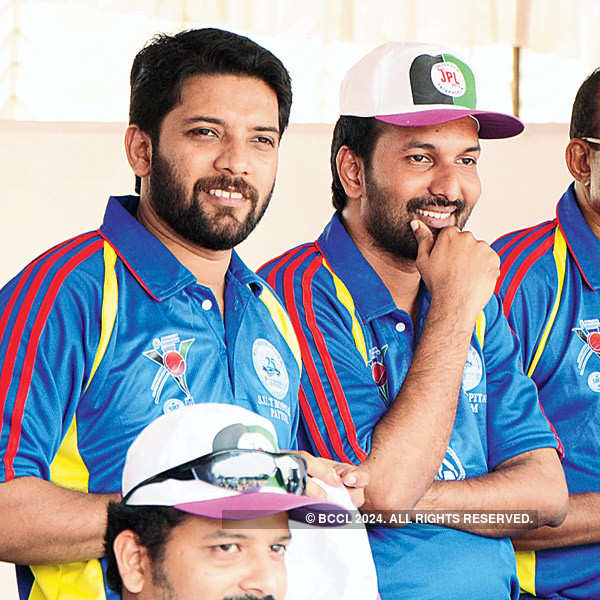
250,597
423,201
231,184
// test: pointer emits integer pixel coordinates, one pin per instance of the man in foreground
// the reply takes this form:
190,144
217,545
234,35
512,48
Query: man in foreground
549,281
206,501
409,366
152,312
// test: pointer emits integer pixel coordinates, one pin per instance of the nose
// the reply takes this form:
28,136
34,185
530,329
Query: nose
446,182
233,157
265,577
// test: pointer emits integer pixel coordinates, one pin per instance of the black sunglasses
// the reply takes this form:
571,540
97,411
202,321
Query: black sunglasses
240,470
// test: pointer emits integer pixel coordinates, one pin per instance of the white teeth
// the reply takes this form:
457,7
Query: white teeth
225,194
433,215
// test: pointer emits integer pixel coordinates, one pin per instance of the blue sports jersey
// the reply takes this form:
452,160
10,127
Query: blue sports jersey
356,348
550,286
104,333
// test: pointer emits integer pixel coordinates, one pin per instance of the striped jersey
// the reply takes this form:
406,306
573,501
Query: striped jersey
550,288
105,332
356,349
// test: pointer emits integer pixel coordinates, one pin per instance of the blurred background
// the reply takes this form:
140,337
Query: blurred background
64,91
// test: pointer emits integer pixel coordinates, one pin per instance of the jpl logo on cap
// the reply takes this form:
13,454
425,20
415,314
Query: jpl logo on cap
448,79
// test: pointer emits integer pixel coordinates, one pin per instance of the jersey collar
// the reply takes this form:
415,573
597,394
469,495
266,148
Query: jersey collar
366,288
149,261
583,244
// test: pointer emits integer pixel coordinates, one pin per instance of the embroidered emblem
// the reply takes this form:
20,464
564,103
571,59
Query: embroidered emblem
378,370
594,381
451,468
589,333
473,370
270,368
170,354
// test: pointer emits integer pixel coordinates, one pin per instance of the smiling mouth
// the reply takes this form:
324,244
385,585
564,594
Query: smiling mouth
432,214
219,193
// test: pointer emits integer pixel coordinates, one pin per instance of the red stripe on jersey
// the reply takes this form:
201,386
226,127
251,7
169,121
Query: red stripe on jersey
307,413
307,359
135,275
288,254
311,423
9,359
521,271
25,275
34,336
518,250
338,391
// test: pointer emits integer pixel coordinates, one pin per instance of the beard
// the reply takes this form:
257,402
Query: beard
216,229
388,223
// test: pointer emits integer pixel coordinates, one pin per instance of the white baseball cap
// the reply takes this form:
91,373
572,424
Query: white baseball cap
192,432
415,85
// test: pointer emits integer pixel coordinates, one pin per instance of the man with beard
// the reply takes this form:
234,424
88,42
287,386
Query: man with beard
410,367
148,314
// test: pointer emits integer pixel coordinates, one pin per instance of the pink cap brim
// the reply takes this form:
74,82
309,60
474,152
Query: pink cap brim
254,505
492,125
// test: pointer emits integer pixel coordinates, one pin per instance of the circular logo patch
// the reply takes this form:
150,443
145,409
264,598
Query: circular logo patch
172,404
448,79
473,370
270,368
451,468
594,381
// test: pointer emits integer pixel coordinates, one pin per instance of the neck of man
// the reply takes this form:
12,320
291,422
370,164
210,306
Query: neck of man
399,275
208,266
591,216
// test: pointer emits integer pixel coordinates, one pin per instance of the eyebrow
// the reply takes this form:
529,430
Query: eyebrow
428,146
206,119
224,534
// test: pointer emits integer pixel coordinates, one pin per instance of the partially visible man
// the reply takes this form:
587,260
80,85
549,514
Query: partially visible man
409,367
206,500
549,283
152,312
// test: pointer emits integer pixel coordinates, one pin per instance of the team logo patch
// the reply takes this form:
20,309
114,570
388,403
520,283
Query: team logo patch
378,371
171,356
473,370
451,468
448,79
270,368
589,333
594,381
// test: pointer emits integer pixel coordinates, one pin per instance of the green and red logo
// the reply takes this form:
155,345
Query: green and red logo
378,370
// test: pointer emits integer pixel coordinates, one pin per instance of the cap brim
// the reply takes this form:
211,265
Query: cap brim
492,125
255,505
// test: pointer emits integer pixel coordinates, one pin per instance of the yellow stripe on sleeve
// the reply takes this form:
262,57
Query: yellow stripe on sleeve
347,302
560,259
282,322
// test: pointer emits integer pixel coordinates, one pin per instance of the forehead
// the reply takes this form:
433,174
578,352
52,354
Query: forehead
227,97
265,530
454,135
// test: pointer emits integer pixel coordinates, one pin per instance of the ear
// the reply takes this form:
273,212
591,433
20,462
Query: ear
351,170
577,156
133,561
138,147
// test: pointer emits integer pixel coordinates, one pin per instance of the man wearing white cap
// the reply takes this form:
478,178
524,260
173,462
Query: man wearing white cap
206,500
409,365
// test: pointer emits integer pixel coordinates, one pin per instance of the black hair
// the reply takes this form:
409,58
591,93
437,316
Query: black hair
161,67
151,524
585,118
360,135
